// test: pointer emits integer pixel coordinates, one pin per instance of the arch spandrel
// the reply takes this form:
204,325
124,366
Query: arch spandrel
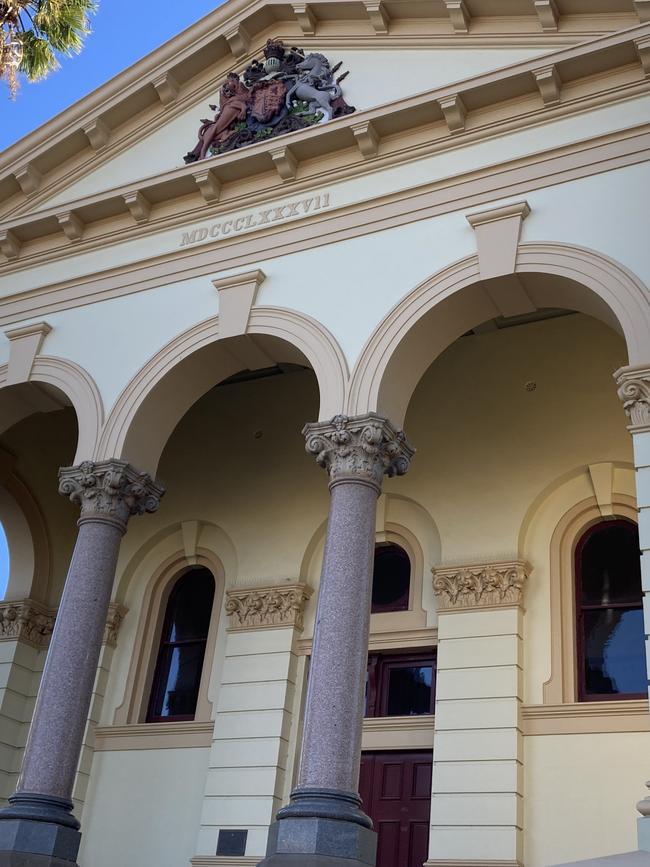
155,400
453,301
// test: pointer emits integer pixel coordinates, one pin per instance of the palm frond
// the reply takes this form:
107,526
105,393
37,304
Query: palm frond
45,29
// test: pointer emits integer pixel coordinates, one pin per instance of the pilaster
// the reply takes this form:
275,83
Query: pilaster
477,790
634,391
26,628
248,771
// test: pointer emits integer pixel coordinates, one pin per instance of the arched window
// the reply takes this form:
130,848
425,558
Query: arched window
609,613
177,676
391,579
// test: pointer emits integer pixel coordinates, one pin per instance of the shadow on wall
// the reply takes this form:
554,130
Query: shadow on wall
4,563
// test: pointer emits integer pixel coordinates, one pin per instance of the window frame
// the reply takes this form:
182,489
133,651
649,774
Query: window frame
144,656
379,667
579,608
163,650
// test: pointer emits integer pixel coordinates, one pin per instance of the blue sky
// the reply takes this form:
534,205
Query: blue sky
4,563
123,32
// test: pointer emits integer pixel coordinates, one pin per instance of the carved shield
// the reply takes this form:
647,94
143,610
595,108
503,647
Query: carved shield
268,99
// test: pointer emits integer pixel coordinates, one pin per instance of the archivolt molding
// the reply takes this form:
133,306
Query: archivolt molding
314,341
80,388
372,388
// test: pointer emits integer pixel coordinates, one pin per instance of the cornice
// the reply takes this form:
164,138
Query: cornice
434,198
594,74
166,77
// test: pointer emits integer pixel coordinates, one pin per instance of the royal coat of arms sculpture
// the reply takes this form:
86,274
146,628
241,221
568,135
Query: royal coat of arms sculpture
286,91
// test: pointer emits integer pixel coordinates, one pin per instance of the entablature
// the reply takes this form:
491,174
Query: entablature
156,89
600,72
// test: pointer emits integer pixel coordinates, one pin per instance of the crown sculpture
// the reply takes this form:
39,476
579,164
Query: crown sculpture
284,92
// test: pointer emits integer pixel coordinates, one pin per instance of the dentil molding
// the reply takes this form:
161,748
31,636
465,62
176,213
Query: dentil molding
33,623
634,390
258,607
363,448
486,585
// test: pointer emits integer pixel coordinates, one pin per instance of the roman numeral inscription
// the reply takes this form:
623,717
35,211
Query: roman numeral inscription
255,219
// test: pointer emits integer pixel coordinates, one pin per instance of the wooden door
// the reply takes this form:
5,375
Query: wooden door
395,788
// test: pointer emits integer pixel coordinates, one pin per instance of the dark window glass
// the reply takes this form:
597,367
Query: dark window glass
177,676
400,684
391,579
610,631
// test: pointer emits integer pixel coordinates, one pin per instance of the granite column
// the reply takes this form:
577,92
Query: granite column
38,828
634,391
323,824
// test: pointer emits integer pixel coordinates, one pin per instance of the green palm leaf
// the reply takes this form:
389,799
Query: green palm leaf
36,32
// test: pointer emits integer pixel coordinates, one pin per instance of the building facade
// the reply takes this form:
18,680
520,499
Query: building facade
433,272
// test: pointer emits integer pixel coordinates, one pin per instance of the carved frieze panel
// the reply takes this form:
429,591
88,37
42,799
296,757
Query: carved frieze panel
26,621
33,623
479,586
255,607
281,92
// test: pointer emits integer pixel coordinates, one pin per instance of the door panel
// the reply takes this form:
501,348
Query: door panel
395,788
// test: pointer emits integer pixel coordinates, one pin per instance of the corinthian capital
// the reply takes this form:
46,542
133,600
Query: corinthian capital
365,447
110,490
634,390
486,585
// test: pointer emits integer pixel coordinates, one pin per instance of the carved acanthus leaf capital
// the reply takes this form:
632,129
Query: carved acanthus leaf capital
634,390
479,586
112,490
365,447
26,621
255,607
116,614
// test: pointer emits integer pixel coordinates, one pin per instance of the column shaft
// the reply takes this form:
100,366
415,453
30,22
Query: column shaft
323,822
331,747
58,724
38,823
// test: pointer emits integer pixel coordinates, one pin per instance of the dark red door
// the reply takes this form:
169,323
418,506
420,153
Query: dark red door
395,789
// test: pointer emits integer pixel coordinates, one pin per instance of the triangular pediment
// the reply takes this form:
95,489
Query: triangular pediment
141,123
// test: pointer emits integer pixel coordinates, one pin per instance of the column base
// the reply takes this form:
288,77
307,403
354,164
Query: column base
28,859
643,833
315,842
38,831
321,828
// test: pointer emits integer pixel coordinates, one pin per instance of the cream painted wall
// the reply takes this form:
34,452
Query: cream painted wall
340,257
581,791
352,284
146,802
372,81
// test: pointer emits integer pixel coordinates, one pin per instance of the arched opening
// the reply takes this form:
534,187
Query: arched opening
151,405
181,652
391,579
40,434
610,633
